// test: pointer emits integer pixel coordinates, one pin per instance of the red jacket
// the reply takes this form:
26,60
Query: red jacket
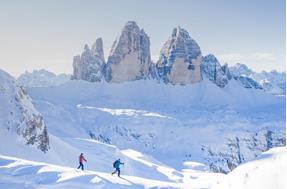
82,159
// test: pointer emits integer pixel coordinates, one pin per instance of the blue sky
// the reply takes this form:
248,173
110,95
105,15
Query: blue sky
47,34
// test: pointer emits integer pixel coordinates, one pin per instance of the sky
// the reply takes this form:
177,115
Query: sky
47,34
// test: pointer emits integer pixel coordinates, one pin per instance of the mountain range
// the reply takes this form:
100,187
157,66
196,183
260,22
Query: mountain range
175,123
180,62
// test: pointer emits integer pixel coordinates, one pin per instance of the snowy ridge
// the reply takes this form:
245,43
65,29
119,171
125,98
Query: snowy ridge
267,171
19,116
18,173
42,78
273,82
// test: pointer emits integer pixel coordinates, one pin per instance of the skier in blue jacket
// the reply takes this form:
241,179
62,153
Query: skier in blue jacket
116,165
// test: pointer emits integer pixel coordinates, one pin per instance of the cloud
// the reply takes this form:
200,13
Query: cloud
247,57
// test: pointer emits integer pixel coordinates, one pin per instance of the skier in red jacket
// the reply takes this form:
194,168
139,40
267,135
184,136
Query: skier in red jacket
81,160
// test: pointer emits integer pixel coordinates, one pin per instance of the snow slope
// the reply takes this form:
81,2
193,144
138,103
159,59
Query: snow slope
202,122
267,171
168,136
19,173
56,169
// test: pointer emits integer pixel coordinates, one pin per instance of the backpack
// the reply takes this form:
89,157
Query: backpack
114,164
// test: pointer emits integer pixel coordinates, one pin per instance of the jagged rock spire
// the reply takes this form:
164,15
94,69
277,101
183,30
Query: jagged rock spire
180,59
89,65
130,55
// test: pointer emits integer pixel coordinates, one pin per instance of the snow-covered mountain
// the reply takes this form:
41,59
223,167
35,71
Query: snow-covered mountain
89,66
18,116
129,58
180,59
175,123
42,78
273,82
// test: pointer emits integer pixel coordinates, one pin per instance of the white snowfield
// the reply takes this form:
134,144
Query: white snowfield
266,172
20,173
168,136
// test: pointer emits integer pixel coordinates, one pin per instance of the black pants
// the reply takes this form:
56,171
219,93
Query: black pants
81,165
117,170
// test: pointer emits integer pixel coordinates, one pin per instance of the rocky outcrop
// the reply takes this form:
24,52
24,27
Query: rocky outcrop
90,64
130,55
248,82
180,59
216,73
19,116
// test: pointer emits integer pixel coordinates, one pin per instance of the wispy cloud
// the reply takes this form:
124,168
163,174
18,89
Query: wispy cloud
247,57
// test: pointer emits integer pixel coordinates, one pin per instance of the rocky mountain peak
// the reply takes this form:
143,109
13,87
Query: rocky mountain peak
180,58
89,65
180,32
130,55
216,73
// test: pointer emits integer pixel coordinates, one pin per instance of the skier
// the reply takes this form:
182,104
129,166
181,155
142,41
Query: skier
116,165
81,160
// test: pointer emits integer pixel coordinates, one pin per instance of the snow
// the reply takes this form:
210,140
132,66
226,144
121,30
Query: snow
173,124
263,173
169,136
267,171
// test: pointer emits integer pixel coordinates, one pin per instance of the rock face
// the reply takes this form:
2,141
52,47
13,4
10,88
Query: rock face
89,65
130,55
248,82
180,59
216,73
180,62
19,116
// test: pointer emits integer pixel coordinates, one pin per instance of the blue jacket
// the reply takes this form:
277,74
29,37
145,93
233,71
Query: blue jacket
117,164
